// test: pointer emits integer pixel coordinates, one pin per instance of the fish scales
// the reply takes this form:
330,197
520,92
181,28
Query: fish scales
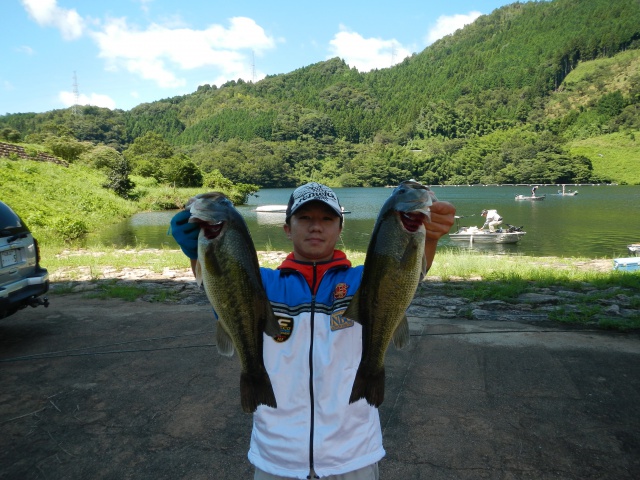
228,268
394,265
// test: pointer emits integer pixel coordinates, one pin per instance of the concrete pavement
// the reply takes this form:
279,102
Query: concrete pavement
110,389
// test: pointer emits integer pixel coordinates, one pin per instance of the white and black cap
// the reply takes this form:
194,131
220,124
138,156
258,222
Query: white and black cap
310,192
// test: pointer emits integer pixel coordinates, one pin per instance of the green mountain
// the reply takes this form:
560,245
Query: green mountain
503,100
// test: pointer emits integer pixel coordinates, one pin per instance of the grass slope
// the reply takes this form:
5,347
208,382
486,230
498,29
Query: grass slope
62,204
615,156
59,202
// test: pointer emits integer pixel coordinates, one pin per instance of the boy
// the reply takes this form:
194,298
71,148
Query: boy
315,432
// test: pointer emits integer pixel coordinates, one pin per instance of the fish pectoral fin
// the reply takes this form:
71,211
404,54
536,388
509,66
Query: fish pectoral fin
401,334
223,341
425,269
272,325
352,311
198,273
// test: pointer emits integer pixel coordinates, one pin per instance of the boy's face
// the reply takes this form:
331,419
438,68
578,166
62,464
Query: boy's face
314,230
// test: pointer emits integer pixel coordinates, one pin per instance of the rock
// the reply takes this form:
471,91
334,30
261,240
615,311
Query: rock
612,310
84,287
537,298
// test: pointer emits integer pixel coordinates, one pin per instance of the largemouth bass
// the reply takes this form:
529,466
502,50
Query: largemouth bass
394,265
228,268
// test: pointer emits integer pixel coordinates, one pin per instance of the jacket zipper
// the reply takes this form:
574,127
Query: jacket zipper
312,413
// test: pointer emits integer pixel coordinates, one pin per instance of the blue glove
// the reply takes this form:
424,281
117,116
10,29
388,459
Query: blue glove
185,233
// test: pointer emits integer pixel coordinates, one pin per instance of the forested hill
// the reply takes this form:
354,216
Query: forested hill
474,107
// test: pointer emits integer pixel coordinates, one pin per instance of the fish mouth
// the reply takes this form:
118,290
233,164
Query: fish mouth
411,221
210,230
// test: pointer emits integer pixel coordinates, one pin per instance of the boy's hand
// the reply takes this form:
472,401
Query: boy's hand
442,218
185,233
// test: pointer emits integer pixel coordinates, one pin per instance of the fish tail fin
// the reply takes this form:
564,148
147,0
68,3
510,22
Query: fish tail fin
256,389
368,385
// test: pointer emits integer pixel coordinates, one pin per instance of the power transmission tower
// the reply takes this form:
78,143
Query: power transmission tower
253,66
76,94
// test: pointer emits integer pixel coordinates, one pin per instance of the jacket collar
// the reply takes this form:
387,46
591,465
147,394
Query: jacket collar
290,264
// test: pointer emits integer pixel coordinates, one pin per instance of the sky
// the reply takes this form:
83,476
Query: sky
121,53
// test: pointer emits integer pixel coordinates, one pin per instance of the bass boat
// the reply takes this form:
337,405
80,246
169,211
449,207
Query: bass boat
471,235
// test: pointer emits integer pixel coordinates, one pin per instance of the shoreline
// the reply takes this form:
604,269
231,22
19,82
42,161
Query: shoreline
268,258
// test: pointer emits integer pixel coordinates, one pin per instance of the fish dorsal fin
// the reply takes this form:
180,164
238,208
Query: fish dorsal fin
198,273
223,341
401,334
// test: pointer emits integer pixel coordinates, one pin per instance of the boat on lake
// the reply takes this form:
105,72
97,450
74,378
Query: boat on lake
471,235
532,198
565,193
271,208
476,235
280,209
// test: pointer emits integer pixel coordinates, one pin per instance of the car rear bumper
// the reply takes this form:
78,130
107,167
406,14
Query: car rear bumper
17,293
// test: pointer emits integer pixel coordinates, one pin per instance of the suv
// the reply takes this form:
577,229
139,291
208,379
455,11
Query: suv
22,280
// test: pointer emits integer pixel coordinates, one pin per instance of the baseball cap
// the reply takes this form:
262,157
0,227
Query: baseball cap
483,212
310,192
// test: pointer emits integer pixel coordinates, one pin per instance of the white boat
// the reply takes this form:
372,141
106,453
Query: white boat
565,193
477,235
271,208
532,198
279,209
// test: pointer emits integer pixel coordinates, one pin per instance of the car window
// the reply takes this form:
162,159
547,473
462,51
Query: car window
10,223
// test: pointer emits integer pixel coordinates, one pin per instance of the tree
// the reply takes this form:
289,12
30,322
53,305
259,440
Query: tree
67,148
118,178
182,172
101,157
10,135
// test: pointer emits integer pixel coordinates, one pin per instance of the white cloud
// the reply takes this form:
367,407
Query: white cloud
47,13
144,5
160,53
26,50
7,85
366,53
446,25
68,99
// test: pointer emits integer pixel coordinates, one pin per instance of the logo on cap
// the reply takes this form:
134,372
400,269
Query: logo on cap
310,192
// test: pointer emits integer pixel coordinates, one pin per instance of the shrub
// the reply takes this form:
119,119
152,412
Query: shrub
69,228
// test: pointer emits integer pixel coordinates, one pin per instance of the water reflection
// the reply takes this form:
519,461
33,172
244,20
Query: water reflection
599,222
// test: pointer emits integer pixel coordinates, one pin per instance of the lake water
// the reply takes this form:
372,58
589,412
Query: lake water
599,222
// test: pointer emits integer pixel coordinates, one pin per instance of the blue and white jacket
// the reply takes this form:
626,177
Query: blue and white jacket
312,365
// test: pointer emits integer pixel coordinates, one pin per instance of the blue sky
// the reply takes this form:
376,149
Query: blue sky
121,53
